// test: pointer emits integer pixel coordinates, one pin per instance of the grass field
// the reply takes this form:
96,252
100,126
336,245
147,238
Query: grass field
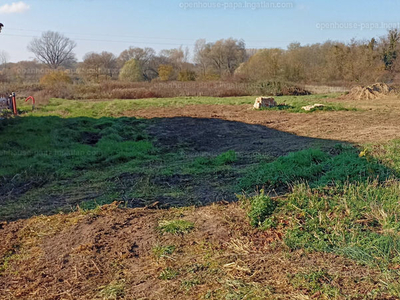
252,211
96,109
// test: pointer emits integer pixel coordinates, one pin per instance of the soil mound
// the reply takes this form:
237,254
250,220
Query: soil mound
372,92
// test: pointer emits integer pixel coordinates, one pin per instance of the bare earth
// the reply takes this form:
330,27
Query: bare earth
374,122
78,256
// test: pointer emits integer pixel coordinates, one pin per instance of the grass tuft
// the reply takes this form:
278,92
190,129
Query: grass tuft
261,207
175,226
168,274
112,291
163,251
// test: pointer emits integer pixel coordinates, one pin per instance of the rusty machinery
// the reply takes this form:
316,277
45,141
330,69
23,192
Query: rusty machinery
9,102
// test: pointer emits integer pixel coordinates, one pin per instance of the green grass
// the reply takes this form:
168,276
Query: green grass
388,153
47,156
163,251
168,274
314,282
260,208
97,109
344,203
357,220
175,226
57,146
114,290
316,167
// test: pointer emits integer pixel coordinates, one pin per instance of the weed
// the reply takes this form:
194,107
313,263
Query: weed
175,226
162,251
189,284
114,290
168,274
261,207
7,258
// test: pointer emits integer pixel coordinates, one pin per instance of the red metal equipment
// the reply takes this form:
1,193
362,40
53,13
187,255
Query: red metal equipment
33,101
9,101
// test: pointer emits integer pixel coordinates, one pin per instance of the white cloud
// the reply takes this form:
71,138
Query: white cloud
13,8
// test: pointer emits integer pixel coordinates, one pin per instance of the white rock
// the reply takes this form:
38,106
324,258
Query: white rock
310,107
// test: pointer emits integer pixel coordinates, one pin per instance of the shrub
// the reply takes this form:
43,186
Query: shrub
165,72
261,207
55,78
138,93
187,75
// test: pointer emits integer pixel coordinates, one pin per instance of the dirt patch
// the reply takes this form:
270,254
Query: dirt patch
214,136
372,92
350,126
110,253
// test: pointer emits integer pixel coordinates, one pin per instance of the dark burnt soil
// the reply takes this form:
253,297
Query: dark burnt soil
214,136
109,254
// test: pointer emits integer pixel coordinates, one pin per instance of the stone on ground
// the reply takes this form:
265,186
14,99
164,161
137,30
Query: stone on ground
263,102
310,107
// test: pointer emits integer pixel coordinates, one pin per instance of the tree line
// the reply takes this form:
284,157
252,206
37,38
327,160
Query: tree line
331,62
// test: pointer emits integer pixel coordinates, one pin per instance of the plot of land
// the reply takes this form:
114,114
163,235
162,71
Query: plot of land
324,227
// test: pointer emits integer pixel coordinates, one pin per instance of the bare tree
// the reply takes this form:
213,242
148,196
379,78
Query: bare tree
53,49
100,66
223,56
4,57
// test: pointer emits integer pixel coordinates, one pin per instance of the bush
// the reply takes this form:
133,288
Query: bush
261,207
55,78
165,72
138,93
187,75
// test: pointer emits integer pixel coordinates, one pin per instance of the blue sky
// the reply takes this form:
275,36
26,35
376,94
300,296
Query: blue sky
114,25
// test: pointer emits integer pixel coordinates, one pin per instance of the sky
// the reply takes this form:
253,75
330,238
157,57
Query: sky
114,25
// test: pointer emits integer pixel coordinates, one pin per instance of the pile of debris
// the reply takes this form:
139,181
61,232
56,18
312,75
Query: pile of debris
375,91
